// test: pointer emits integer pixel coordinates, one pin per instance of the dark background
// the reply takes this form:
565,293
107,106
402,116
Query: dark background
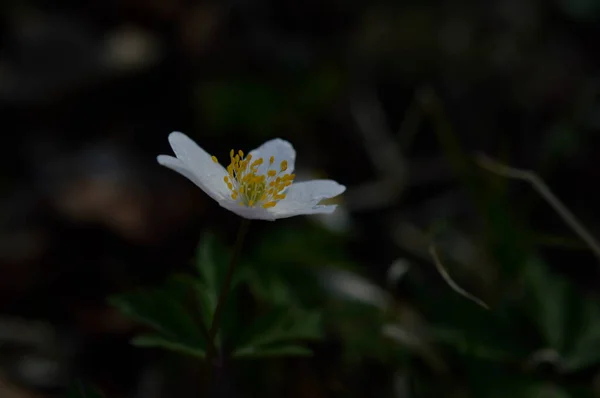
390,98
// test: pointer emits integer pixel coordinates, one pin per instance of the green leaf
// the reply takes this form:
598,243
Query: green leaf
212,260
283,266
550,297
279,327
274,351
157,341
204,300
83,390
211,265
161,310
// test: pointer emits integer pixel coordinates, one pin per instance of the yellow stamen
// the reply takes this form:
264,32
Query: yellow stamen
249,187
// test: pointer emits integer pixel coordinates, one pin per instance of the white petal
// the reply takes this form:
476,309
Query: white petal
180,167
252,213
311,192
280,149
319,209
209,175
304,198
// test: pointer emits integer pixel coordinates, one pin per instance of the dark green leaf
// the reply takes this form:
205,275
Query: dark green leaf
199,295
278,327
273,351
212,260
160,309
549,296
152,340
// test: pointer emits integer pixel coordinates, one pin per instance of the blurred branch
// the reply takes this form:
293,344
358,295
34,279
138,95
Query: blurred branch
539,185
449,280
382,150
418,243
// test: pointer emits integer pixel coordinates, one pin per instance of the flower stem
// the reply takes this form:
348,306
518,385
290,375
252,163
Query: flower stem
212,331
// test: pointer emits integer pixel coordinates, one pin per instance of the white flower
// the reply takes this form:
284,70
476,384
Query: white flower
257,186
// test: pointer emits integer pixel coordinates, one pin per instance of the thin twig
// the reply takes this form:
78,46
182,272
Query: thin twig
450,282
538,184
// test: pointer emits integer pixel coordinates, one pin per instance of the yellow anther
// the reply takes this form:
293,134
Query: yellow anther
257,163
249,187
214,159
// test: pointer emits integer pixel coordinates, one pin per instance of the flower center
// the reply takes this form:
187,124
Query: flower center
249,188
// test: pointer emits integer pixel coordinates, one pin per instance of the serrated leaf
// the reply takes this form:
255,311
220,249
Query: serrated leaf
159,309
280,326
83,390
211,266
275,351
198,293
157,341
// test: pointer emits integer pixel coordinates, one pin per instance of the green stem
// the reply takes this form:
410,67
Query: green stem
212,331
